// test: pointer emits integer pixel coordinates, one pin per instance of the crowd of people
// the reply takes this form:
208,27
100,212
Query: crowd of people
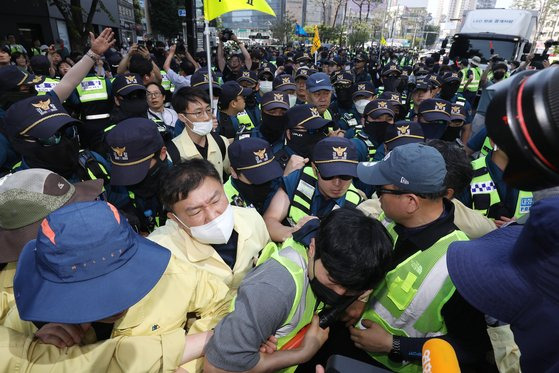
353,202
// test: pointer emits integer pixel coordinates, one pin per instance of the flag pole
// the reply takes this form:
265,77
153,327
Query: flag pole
209,59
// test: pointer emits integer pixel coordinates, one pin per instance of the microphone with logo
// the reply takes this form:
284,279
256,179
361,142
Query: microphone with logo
439,357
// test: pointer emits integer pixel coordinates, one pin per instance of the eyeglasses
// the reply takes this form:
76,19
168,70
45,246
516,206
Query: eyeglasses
153,94
201,113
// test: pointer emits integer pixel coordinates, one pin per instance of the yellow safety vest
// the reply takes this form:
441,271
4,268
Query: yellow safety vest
92,89
46,86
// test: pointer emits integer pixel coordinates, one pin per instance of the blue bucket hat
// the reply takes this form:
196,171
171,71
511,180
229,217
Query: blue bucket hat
511,274
416,168
86,264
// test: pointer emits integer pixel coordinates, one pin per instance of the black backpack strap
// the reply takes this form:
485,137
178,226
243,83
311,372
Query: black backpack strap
173,152
91,169
220,143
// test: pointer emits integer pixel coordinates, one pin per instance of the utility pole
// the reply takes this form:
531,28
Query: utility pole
304,15
191,42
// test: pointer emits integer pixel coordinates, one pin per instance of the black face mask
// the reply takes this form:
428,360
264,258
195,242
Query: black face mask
136,107
253,193
303,142
250,100
343,96
61,158
288,70
434,129
498,75
324,293
448,90
376,131
255,66
149,187
451,133
11,97
391,84
272,127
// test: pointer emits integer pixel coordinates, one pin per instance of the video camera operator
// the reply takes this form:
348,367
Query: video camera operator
231,68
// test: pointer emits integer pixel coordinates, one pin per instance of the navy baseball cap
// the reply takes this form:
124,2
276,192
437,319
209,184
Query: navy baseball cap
302,57
360,57
12,77
335,156
248,76
452,77
511,274
230,91
335,61
133,143
319,82
253,157
416,168
200,79
307,115
274,100
402,133
39,116
284,82
80,267
390,96
125,84
435,109
343,78
267,69
435,80
376,108
457,112
391,68
363,89
304,73
422,85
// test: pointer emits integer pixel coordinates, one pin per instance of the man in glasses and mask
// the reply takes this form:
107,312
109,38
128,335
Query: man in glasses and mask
281,295
316,189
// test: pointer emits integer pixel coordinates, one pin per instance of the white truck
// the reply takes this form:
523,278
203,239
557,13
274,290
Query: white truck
485,32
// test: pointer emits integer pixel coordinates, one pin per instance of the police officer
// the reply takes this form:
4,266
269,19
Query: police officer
449,92
234,121
138,161
434,117
41,66
255,174
286,83
359,70
129,98
421,92
266,75
390,78
397,104
342,109
316,189
362,93
249,79
301,77
456,127
274,106
401,133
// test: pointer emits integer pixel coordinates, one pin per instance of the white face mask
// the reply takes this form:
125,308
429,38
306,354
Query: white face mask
360,105
265,86
292,100
216,232
201,128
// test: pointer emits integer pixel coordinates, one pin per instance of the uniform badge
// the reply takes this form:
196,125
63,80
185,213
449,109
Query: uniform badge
440,106
403,130
286,80
44,107
314,112
131,79
382,105
261,156
361,87
339,153
120,153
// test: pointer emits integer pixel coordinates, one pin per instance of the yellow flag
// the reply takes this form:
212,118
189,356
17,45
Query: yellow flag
215,8
315,40
383,41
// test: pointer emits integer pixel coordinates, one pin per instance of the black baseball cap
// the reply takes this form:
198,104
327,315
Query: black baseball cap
253,157
307,115
200,79
391,68
335,156
38,116
343,78
230,91
376,108
302,57
284,82
274,100
267,69
12,77
360,57
125,84
452,77
248,76
403,132
365,89
133,143
422,85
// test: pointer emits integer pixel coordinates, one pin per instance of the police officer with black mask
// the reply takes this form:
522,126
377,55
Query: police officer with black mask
129,98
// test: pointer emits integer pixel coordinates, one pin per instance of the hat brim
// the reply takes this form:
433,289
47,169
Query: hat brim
377,113
275,105
130,88
262,174
321,88
403,140
433,115
12,241
316,123
129,175
362,94
34,79
245,92
372,173
483,272
457,117
50,125
246,79
422,87
286,87
337,168
78,302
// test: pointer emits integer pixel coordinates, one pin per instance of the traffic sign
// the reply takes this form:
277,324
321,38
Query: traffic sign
182,12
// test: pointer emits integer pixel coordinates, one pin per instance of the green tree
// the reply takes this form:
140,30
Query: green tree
78,20
283,29
359,35
329,33
165,18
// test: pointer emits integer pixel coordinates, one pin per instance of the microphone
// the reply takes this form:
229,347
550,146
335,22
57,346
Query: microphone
439,357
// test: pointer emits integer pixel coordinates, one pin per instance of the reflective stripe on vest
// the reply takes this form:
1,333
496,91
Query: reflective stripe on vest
166,83
92,89
486,147
46,86
474,84
409,300
484,193
233,195
327,115
371,149
302,199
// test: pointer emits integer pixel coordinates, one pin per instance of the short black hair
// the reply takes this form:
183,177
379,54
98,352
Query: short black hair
139,65
356,250
459,172
183,96
159,86
184,177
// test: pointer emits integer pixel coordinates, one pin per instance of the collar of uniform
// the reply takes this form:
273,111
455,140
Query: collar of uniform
188,150
426,236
